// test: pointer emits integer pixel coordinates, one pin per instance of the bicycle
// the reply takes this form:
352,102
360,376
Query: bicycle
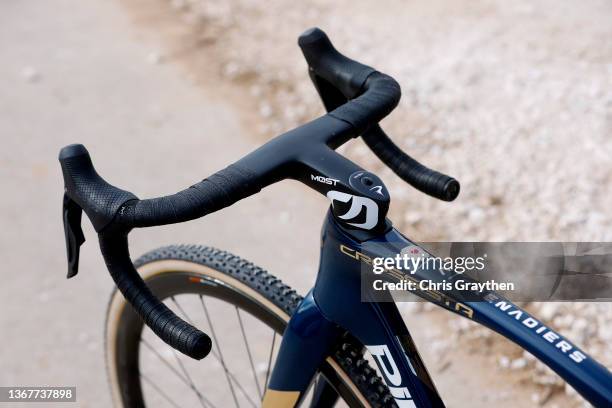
326,333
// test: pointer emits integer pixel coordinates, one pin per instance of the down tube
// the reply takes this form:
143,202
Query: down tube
378,326
591,379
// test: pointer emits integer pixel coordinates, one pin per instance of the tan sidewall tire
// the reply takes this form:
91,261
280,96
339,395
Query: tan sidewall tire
148,271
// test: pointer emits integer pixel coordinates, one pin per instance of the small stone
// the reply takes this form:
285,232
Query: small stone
265,110
518,364
231,69
30,74
284,217
476,214
548,311
155,58
504,362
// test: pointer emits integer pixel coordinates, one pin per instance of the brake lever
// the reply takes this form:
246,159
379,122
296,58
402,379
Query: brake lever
71,215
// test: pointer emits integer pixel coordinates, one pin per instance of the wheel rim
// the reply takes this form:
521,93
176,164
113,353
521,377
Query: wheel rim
124,356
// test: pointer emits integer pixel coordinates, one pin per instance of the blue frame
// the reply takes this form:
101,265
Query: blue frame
335,306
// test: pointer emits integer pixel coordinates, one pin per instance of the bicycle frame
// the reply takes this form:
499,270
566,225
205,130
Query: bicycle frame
335,306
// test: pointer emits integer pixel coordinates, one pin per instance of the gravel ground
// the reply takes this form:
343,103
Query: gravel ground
514,99
517,94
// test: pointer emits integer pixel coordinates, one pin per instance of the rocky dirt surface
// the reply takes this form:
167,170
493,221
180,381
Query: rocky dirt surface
514,99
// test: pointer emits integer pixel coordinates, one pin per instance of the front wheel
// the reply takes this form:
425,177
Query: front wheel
245,311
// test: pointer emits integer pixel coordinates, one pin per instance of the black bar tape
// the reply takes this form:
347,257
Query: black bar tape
169,327
108,206
422,178
218,191
381,96
114,212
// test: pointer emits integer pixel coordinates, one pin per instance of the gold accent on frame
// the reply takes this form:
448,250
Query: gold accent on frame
280,399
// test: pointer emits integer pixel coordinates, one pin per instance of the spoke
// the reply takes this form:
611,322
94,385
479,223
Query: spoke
269,362
175,371
246,343
235,380
163,360
241,389
178,306
159,390
192,385
212,330
186,378
215,354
